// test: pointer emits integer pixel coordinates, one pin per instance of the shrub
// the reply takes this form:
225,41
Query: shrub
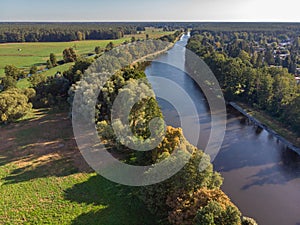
13,105
185,206
216,214
52,92
30,93
35,79
69,55
8,82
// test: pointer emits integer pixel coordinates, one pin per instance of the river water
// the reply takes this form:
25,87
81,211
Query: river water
260,176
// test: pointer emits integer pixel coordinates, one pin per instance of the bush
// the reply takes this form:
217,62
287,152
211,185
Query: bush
8,82
69,55
105,130
52,92
98,50
13,105
30,93
76,72
187,205
35,79
33,70
215,214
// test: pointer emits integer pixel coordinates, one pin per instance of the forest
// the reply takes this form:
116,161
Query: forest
256,68
62,32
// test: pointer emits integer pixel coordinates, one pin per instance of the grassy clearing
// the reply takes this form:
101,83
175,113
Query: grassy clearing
274,124
152,32
44,180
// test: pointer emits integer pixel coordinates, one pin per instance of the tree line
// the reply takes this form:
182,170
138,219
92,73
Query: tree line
62,32
59,32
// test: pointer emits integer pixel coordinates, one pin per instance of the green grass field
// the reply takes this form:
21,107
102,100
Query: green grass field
152,32
38,53
44,179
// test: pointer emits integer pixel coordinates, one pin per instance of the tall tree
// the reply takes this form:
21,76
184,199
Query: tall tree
69,55
98,49
278,61
53,59
12,71
269,58
33,70
259,61
109,46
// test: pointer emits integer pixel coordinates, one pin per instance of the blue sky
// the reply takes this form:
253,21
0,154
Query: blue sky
153,10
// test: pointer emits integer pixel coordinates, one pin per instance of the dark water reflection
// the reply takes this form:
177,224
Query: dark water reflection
260,175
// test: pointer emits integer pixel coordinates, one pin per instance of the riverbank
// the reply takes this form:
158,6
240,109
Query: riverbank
152,56
274,127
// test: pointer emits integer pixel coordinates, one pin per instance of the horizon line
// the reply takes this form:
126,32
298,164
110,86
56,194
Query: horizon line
144,21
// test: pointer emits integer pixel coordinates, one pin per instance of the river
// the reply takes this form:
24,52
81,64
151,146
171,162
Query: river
260,176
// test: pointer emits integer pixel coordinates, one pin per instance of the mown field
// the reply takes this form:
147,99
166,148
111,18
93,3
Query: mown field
38,53
44,180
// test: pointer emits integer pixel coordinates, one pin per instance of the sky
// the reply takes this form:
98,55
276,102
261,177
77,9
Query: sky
150,10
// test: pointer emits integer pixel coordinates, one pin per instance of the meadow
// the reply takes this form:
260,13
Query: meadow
37,53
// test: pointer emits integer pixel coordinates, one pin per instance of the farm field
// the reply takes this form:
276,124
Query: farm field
44,180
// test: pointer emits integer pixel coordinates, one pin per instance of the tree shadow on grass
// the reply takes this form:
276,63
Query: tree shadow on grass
118,204
41,147
57,167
